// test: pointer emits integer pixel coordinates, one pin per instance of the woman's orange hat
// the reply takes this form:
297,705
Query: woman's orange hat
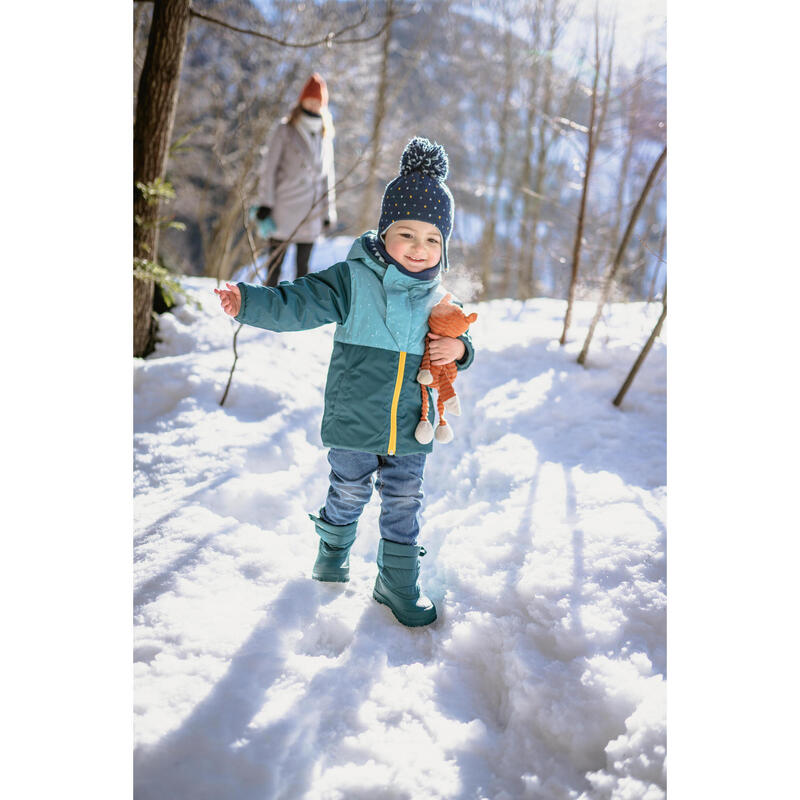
315,89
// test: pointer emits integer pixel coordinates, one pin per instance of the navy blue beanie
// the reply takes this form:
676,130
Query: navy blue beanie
419,191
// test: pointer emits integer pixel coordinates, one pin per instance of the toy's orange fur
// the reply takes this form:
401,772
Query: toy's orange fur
446,319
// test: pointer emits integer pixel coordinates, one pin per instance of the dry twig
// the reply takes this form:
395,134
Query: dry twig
274,256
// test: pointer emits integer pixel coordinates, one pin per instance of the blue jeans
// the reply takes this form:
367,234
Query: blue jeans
398,480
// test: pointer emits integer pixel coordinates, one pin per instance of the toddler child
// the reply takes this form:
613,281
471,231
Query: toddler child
380,299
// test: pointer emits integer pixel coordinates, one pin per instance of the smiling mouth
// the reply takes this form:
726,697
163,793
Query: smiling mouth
416,260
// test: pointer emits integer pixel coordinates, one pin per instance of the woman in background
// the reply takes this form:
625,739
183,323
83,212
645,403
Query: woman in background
297,181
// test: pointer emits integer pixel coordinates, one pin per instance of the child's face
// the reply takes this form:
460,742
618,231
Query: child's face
417,245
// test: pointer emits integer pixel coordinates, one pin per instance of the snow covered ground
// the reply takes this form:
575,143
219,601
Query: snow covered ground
544,521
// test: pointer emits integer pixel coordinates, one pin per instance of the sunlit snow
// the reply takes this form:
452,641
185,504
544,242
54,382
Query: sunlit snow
544,521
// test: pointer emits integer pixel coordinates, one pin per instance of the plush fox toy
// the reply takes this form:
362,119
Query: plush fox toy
446,319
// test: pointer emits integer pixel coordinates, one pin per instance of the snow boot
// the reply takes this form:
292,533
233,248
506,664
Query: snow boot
333,556
397,584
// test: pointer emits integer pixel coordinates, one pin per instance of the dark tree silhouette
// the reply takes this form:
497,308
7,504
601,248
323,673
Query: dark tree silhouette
156,100
155,113
641,357
620,252
595,126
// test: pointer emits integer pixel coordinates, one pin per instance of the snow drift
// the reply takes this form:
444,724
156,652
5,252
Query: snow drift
544,521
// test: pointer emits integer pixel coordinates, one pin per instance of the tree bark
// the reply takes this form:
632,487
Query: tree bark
634,273
631,119
533,214
576,247
641,357
155,113
524,289
218,261
659,262
488,259
620,252
366,217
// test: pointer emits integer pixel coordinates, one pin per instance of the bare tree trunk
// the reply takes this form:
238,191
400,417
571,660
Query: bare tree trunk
366,217
155,114
488,244
533,202
217,264
620,252
140,13
218,261
509,257
641,357
528,231
220,254
599,259
659,262
528,266
576,248
630,144
524,287
635,275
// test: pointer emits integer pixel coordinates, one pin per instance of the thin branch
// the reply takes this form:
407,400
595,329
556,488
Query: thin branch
659,256
576,126
390,18
241,324
274,260
233,366
640,81
332,37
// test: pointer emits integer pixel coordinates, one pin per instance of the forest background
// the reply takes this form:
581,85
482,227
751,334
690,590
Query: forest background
553,113
732,420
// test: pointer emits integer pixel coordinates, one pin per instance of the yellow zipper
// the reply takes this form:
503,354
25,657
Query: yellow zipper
401,365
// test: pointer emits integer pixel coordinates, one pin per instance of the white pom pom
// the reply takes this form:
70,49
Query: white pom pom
424,156
425,377
444,434
424,432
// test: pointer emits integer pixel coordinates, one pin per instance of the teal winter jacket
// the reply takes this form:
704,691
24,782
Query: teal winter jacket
372,399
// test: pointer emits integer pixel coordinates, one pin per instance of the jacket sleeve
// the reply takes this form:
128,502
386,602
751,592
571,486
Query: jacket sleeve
469,356
313,300
270,169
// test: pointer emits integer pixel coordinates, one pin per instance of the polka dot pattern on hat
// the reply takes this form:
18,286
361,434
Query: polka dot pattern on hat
419,191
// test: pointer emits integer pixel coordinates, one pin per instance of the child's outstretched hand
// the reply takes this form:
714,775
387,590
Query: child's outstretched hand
230,299
444,349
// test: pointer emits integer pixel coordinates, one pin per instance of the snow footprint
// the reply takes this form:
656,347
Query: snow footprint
333,630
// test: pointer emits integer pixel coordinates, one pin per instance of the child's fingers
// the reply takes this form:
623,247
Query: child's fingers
226,301
432,335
